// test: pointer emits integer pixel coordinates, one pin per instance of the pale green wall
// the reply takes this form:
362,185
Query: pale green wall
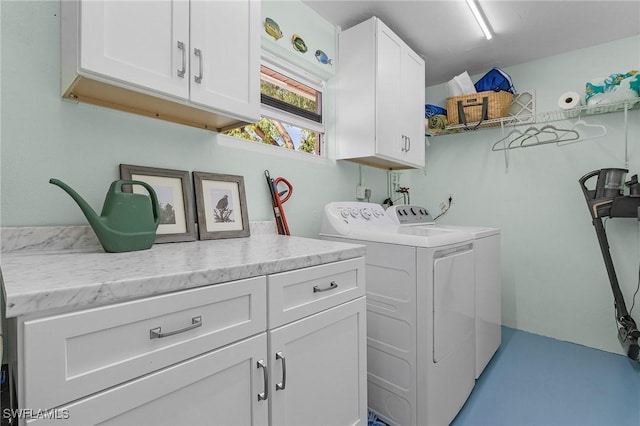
554,280
44,136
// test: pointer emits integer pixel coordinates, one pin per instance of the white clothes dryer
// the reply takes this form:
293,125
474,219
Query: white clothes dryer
420,313
488,288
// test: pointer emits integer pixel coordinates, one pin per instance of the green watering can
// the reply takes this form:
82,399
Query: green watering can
128,221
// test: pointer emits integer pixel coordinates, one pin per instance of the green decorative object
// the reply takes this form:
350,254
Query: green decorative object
298,43
272,28
128,221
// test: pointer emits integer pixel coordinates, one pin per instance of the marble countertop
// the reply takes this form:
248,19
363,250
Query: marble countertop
38,281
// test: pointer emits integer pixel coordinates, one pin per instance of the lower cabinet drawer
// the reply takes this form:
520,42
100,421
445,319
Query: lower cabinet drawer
217,388
303,292
72,355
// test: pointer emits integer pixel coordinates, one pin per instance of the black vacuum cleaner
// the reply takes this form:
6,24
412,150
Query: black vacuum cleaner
607,200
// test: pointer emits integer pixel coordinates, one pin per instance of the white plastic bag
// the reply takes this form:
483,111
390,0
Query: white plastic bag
461,85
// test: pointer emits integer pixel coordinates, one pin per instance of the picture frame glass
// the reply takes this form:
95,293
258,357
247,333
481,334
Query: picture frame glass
170,200
222,206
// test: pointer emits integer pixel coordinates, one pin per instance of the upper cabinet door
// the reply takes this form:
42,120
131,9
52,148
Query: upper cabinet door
413,107
389,141
138,42
225,55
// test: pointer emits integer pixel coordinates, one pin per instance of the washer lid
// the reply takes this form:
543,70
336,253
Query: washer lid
368,222
408,236
477,231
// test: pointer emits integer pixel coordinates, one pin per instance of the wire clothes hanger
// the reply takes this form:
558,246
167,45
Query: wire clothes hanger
546,135
557,136
580,123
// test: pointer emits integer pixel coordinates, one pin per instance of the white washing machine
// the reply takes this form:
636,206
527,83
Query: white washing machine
488,281
420,313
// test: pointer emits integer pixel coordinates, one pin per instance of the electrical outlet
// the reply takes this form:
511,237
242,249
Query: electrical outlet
362,192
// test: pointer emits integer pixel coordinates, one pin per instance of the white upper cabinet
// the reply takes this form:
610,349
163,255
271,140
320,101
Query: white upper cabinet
139,43
226,71
193,62
380,118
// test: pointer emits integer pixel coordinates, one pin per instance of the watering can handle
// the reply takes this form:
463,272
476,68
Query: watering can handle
150,190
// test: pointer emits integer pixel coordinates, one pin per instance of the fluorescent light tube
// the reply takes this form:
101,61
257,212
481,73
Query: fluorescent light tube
483,25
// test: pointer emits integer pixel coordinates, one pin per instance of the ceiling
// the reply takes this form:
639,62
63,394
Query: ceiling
446,35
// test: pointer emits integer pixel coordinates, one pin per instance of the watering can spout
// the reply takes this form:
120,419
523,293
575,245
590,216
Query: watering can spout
128,221
89,213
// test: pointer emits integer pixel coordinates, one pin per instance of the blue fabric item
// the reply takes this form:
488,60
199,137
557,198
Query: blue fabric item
495,80
431,110
373,420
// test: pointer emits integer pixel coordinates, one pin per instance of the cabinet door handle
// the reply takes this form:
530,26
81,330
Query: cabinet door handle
409,146
156,333
404,143
283,383
264,395
198,53
317,289
184,59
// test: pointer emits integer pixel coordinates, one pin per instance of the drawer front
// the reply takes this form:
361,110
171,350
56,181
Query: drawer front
303,292
218,388
71,355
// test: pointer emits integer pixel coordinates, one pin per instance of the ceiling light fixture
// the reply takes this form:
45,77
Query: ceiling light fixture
480,18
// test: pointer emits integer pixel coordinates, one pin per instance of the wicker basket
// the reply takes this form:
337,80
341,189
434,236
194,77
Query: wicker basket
468,109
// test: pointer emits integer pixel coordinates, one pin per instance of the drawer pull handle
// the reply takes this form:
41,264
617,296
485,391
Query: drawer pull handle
283,383
156,333
264,395
317,289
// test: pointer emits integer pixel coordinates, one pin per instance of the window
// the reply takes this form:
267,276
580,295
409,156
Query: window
291,112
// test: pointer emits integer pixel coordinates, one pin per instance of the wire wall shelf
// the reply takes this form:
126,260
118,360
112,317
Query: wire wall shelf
527,115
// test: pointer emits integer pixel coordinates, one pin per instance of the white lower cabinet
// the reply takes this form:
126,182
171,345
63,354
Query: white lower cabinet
218,388
285,349
318,367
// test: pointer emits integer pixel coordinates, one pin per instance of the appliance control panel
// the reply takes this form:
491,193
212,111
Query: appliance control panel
354,212
409,215
341,216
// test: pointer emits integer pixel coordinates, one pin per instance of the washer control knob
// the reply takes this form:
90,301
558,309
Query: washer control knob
353,212
404,211
344,213
377,213
413,212
365,213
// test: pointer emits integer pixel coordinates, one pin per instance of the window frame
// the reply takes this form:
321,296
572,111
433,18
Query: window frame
285,115
270,111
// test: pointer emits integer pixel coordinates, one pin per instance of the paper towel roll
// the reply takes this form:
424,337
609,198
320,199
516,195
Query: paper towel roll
570,101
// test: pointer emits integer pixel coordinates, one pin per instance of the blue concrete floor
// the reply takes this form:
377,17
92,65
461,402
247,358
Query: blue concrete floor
536,380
